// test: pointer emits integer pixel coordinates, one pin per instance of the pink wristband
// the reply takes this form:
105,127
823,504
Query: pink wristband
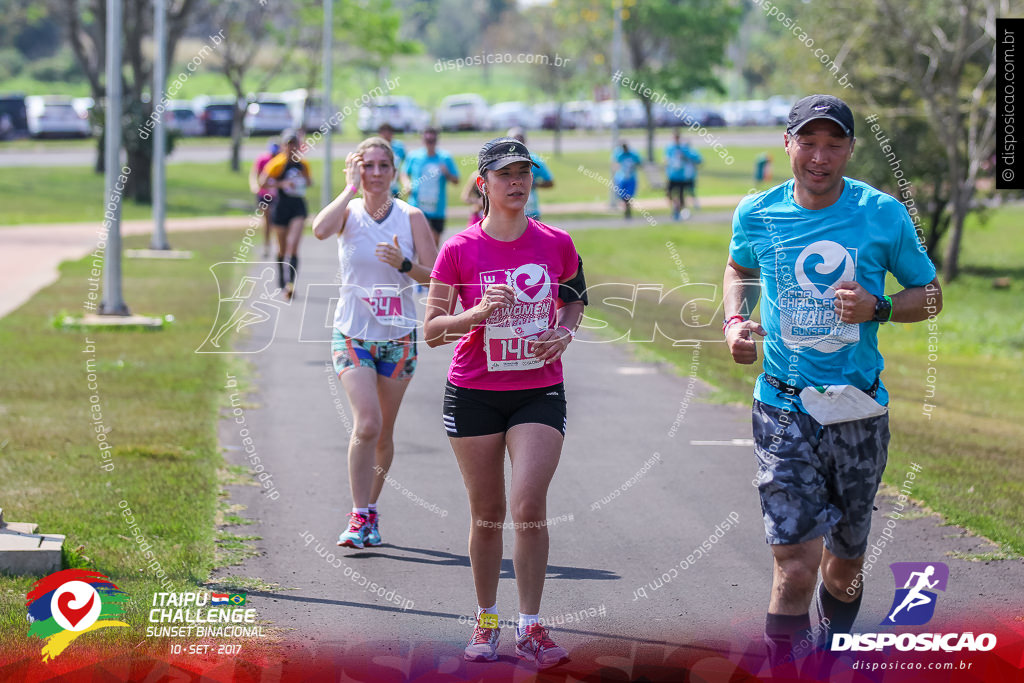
730,320
352,188
572,335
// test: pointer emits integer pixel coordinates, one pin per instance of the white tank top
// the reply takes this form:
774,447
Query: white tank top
376,301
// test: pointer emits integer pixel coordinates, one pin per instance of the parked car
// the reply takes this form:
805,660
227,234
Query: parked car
579,114
307,109
462,112
749,113
181,118
631,114
266,115
686,114
778,109
505,115
216,114
13,118
398,111
547,114
55,116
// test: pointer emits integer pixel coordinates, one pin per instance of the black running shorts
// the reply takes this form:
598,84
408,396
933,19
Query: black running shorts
477,412
285,208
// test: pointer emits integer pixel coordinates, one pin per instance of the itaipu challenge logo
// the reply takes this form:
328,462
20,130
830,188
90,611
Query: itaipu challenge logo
66,604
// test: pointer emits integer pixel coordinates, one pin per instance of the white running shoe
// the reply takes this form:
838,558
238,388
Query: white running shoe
536,646
483,646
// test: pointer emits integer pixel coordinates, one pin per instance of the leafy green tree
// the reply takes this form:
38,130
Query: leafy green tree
84,22
931,84
674,47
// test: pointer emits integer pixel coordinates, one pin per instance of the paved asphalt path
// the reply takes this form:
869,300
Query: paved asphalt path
623,413
219,149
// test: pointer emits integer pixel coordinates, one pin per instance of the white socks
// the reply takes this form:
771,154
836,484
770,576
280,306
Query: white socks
525,620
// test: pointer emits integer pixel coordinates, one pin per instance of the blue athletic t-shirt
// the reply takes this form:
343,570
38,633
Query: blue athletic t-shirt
628,163
399,150
428,182
681,162
802,254
540,172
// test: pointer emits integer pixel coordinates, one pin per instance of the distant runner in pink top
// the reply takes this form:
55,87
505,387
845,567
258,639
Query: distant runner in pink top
521,287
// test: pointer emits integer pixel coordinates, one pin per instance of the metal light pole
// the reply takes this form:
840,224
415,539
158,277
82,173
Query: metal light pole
616,67
159,239
328,62
113,302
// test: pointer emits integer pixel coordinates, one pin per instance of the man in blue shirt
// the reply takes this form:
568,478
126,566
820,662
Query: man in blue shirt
398,147
818,248
626,163
541,176
426,175
681,163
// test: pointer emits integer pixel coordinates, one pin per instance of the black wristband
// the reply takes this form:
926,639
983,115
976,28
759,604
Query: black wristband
406,266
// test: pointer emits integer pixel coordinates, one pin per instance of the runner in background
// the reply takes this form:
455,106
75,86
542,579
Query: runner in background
264,196
398,147
425,175
627,161
521,287
542,177
289,173
471,195
681,163
384,248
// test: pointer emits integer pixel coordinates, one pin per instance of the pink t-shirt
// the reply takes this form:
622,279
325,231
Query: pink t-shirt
497,355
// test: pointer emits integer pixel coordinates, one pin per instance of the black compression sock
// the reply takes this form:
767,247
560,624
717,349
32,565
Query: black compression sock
782,632
294,261
840,615
280,270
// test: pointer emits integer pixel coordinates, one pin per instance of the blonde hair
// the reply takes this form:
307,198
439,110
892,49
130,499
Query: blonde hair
377,141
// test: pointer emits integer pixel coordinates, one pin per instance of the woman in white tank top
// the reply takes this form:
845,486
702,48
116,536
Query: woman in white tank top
384,249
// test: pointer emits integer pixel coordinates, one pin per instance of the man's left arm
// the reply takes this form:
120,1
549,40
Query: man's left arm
854,304
451,171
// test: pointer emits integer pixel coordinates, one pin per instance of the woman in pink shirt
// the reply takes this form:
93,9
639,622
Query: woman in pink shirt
521,287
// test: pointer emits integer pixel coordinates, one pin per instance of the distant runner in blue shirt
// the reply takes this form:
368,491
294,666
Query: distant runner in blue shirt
541,176
626,163
681,163
816,251
426,174
398,147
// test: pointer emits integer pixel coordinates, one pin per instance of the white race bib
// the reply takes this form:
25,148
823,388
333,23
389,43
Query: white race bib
511,348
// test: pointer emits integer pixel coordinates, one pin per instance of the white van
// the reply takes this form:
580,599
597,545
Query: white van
462,112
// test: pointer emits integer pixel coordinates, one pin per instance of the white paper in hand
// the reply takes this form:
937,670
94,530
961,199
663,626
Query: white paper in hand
839,403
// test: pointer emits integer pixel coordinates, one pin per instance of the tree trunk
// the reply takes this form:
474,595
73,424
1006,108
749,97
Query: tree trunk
558,130
649,108
951,258
237,122
140,182
101,159
962,196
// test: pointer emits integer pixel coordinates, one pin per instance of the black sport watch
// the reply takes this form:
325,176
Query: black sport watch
883,309
407,266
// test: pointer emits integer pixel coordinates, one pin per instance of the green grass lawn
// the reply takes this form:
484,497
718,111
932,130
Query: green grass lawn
159,403
969,447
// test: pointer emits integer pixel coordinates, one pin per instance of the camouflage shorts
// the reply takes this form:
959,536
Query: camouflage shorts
818,480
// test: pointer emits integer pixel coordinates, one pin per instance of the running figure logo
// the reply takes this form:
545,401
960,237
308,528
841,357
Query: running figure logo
914,603
254,303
